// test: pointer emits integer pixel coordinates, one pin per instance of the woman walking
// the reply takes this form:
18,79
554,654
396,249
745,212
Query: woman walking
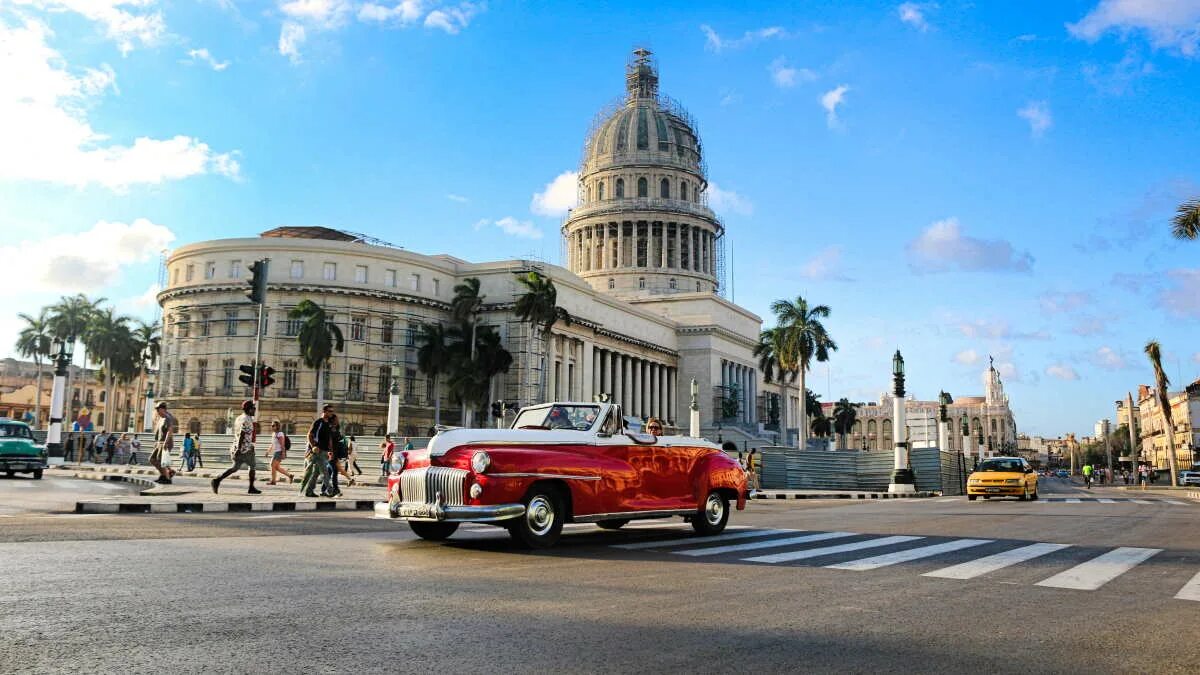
387,447
752,470
352,458
280,443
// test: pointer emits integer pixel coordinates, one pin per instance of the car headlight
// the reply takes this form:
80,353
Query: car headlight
973,481
476,490
480,461
1012,481
398,461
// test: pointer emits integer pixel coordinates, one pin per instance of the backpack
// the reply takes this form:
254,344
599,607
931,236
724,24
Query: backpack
287,443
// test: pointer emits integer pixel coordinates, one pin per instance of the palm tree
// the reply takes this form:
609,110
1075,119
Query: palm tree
821,426
1186,223
464,308
765,351
109,339
319,338
470,378
434,357
845,414
147,338
34,342
803,338
69,319
539,306
1161,382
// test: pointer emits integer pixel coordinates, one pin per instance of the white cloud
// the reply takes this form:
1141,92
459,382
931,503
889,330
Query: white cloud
1037,114
121,25
1108,358
1062,371
998,330
404,13
457,198
728,201
785,76
967,357
291,37
943,247
523,229
452,19
147,300
1171,24
203,56
1182,298
559,195
713,42
825,265
913,14
1068,301
1089,325
46,135
325,14
830,101
304,18
86,261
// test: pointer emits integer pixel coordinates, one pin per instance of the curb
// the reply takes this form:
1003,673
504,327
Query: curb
222,507
203,473
840,495
141,482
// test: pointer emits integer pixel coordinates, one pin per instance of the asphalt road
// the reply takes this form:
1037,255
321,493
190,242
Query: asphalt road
342,592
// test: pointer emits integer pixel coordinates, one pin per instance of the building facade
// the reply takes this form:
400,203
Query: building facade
1185,415
19,396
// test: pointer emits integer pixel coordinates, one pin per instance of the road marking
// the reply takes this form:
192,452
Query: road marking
771,543
21,484
829,550
1190,590
1173,502
1071,501
1098,571
1107,501
1141,501
943,501
875,562
701,540
991,563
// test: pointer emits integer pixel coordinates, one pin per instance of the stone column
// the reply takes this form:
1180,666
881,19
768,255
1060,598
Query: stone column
551,375
645,378
587,375
672,394
620,244
636,384
662,244
626,400
663,411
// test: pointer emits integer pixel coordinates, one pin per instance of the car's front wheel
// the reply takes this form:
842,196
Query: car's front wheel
613,524
432,531
542,523
37,474
712,515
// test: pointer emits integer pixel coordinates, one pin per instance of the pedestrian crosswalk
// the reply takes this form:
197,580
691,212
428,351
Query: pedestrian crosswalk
1114,500
1044,564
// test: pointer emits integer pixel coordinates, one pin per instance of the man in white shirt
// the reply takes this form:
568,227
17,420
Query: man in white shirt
242,451
164,441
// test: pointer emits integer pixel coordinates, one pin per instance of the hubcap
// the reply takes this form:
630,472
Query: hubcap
539,515
714,509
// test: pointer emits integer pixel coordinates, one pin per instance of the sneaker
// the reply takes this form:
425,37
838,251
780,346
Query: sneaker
216,484
161,481
310,495
253,491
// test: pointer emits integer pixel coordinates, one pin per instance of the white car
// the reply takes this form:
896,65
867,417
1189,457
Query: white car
1189,477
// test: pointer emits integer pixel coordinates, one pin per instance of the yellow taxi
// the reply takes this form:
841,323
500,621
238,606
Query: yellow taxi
1003,477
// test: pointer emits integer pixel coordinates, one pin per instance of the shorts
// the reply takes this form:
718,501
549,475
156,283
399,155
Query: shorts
277,456
244,459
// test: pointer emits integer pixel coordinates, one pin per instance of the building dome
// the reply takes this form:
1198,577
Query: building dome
643,225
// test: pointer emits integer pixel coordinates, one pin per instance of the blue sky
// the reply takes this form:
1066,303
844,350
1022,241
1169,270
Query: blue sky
955,179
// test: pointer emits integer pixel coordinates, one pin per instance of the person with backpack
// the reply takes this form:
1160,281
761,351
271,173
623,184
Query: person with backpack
341,452
280,444
188,460
319,454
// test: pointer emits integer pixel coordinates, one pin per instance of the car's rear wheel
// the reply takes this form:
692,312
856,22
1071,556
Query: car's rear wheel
37,474
712,515
10,473
542,523
613,524
432,531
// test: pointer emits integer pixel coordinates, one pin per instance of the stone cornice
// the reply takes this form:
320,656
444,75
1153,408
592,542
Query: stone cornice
174,293
713,329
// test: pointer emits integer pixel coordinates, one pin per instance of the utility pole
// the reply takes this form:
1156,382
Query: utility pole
258,294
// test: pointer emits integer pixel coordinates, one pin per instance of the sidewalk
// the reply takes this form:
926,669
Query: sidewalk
835,494
192,493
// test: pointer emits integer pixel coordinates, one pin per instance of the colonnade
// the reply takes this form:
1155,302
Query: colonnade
745,379
579,370
654,244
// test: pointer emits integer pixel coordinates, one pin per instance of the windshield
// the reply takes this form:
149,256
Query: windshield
14,431
1001,465
577,417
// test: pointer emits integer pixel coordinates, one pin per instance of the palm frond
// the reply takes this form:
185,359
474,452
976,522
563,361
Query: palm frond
1186,223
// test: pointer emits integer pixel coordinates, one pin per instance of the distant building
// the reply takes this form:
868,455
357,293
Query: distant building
18,396
1185,413
1102,429
1123,416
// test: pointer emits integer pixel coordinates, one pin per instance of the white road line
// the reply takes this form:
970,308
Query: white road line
1190,590
1173,502
771,543
998,561
1098,571
829,550
701,540
943,501
1141,501
1072,501
21,484
875,562
1107,501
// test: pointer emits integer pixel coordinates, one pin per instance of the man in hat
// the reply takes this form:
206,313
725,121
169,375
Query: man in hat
164,440
242,452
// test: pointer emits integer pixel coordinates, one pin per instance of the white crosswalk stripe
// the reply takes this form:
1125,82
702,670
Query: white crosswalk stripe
1107,501
1093,574
998,561
1190,590
830,550
1141,501
770,543
1072,501
1173,502
701,540
875,562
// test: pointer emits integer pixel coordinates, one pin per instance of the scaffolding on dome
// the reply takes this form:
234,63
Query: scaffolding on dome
328,233
722,268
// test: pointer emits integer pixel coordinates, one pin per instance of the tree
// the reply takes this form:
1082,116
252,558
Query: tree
470,379
803,338
434,358
1186,223
69,319
768,362
147,338
34,342
845,414
1161,382
821,426
319,338
539,306
110,341
464,308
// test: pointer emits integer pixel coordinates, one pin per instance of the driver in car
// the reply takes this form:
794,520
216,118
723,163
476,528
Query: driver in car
558,419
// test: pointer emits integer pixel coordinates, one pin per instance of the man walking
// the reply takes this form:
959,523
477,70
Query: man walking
1087,475
164,441
242,452
320,452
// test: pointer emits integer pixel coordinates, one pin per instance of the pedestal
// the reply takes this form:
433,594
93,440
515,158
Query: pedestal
393,417
903,482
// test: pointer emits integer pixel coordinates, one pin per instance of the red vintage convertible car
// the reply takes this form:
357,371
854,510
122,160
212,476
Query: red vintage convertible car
561,463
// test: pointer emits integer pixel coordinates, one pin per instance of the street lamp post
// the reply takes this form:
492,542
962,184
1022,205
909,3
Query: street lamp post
694,409
393,416
903,481
148,412
64,350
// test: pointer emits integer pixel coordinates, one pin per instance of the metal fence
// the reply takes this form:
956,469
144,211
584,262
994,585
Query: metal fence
792,468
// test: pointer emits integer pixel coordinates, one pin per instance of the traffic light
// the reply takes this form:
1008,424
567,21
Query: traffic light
248,374
496,409
264,377
257,282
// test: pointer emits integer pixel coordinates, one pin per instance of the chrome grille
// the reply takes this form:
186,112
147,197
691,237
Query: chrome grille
421,485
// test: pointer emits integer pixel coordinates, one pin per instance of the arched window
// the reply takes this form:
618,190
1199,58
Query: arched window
600,191
612,283
620,188
664,189
641,282
219,426
671,284
683,190
643,187
194,425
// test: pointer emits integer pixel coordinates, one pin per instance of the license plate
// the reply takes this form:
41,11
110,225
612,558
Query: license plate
415,510
993,489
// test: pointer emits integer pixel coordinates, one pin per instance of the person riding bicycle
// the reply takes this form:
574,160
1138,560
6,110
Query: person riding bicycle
1087,475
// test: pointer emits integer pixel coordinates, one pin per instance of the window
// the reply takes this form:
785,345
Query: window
202,374
103,394
410,336
697,286
205,320
235,269
385,382
671,284
389,331
641,282
191,273
297,269
184,322
620,189
612,283
354,382
231,322
414,281
329,271
175,276
600,191
437,286
358,327
291,327
290,379
180,378
360,274
683,190
227,374
389,278
664,189
210,270
643,187
410,383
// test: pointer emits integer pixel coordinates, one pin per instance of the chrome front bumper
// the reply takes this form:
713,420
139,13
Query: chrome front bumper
433,512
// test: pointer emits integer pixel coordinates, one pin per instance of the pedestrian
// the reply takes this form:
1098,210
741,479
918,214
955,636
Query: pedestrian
741,461
280,444
752,470
110,447
135,446
386,448
340,453
188,460
164,441
319,452
1143,475
123,447
407,444
352,458
242,450
95,446
1087,475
